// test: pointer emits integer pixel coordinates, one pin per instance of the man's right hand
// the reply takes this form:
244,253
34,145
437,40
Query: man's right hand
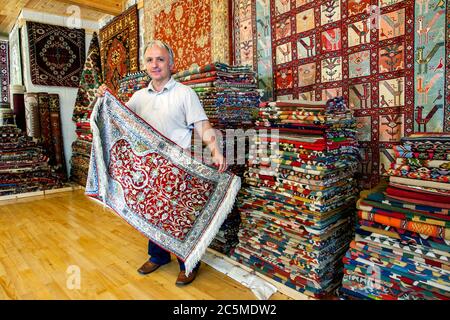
101,90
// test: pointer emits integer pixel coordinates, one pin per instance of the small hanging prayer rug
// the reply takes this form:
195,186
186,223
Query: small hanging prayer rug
176,201
56,54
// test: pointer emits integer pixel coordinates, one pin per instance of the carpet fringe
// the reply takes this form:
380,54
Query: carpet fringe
209,234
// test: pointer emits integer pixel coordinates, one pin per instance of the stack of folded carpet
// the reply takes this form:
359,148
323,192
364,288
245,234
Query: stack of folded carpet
43,123
402,244
235,149
228,93
297,210
131,83
81,153
91,79
23,165
230,99
420,158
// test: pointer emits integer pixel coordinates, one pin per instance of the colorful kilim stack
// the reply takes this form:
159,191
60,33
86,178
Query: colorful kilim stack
401,250
228,93
131,83
56,54
229,97
297,210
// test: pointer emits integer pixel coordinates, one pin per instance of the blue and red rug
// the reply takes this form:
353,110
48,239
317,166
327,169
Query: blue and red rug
176,201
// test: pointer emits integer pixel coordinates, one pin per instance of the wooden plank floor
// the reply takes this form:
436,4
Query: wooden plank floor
46,241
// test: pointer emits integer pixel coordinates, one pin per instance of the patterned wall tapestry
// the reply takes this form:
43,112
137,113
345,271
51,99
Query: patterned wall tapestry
244,32
198,31
252,40
362,49
119,47
264,49
15,56
429,66
4,72
56,54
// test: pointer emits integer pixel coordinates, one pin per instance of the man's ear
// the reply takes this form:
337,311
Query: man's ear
172,68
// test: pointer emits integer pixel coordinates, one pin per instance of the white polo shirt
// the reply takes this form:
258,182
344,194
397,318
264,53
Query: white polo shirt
172,111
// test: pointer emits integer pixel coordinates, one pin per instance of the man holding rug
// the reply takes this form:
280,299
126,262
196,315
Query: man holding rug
174,110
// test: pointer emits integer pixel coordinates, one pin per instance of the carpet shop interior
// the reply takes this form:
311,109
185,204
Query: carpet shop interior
333,118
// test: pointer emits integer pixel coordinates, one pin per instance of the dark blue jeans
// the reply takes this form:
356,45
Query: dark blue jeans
161,256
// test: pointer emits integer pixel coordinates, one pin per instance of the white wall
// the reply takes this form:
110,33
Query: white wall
67,96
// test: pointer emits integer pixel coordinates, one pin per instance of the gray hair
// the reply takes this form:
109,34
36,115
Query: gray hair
162,45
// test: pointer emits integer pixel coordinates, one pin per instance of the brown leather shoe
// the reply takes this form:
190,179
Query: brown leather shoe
182,280
148,267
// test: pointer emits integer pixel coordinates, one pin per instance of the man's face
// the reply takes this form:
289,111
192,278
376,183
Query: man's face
157,63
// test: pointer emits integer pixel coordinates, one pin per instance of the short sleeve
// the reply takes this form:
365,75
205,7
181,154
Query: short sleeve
193,108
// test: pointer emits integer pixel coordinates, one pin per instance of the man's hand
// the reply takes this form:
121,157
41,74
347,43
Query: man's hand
101,90
208,135
219,161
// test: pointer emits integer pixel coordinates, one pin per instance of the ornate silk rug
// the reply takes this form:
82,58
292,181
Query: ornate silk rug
176,201
119,47
198,31
4,72
56,54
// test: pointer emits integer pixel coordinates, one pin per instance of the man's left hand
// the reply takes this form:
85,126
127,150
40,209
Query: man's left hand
220,162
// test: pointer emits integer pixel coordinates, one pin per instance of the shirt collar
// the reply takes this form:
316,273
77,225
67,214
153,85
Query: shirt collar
169,85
